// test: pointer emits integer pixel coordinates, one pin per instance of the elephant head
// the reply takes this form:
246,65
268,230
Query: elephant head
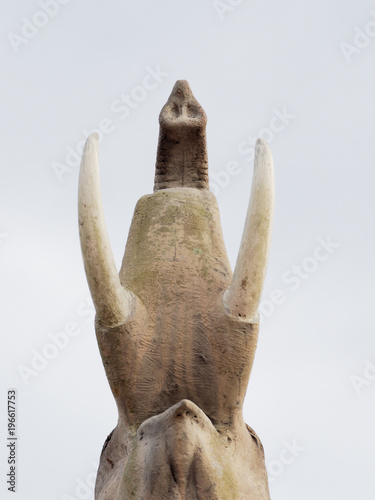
177,331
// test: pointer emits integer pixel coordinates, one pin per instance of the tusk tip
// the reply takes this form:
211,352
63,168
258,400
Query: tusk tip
263,155
93,137
90,155
92,141
261,146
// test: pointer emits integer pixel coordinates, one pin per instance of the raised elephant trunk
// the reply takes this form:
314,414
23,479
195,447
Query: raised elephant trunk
182,150
176,331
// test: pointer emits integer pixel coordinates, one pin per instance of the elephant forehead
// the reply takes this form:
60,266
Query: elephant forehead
160,218
175,243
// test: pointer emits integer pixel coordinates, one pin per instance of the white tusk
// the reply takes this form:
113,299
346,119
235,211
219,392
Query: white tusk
113,303
243,296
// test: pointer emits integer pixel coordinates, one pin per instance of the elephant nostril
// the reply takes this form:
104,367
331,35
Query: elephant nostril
193,111
175,112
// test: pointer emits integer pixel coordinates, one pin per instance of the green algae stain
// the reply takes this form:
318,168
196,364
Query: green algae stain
226,478
130,479
169,227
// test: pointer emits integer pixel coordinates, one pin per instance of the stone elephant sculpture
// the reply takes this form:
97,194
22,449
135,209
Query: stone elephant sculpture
177,331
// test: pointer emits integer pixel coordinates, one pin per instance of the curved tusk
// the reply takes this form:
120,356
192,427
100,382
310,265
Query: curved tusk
243,296
113,303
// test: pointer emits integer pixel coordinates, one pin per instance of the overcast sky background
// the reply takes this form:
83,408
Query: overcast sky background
311,387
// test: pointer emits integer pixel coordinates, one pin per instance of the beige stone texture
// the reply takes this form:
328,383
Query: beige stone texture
176,331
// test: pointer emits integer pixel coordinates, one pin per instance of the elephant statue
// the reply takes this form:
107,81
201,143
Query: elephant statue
176,329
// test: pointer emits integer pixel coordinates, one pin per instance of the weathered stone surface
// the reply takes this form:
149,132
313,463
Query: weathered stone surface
182,152
177,333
